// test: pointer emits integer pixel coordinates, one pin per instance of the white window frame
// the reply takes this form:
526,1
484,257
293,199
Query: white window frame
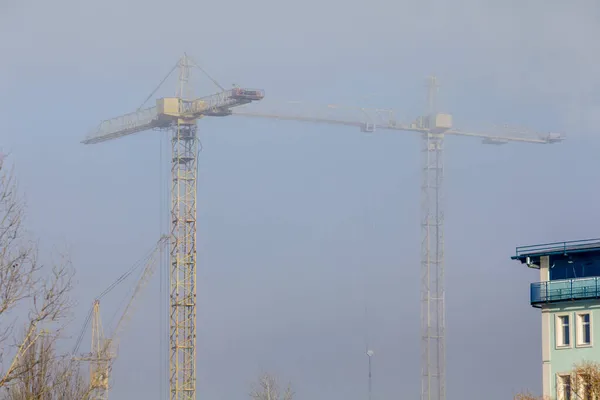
560,392
579,330
558,331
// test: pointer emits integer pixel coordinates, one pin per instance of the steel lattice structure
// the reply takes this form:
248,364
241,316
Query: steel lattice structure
182,279
99,358
433,330
179,115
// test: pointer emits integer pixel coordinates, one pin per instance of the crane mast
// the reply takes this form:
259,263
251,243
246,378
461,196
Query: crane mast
100,358
182,278
433,330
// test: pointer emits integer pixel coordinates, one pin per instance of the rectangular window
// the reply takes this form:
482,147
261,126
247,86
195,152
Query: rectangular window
563,386
563,331
584,329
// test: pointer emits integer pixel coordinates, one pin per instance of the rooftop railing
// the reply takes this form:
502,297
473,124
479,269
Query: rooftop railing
558,247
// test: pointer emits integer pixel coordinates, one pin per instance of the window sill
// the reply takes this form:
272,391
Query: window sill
564,347
584,345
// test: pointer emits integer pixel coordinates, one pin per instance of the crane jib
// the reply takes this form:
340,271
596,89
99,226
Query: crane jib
169,109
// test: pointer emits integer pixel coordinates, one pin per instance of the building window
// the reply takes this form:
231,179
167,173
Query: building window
563,386
584,329
563,331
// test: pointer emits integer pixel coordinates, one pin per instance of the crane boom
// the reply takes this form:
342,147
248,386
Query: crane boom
169,110
371,119
124,125
147,273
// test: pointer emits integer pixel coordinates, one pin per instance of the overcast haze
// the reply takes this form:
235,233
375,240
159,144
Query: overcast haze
297,221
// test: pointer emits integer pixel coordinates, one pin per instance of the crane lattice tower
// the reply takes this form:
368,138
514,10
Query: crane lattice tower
100,358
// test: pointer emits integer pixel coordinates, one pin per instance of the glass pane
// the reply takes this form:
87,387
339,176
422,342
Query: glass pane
586,318
586,334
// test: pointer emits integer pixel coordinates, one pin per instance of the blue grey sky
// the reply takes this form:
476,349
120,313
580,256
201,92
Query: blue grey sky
300,224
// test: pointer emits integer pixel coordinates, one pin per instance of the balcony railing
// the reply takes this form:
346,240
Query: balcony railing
564,290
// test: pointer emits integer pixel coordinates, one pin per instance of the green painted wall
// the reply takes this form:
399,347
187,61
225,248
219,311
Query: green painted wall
563,360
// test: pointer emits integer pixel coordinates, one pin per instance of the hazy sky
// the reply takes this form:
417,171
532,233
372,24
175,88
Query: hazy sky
297,222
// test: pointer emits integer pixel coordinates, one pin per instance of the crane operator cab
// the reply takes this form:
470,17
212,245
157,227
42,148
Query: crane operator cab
247,94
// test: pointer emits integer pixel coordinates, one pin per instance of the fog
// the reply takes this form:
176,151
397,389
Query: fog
301,225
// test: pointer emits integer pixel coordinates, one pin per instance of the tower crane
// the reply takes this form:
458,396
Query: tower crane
433,128
178,116
104,349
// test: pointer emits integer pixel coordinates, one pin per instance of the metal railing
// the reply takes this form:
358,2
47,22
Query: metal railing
564,290
559,247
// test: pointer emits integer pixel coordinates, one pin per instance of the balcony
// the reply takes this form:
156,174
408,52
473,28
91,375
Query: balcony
565,290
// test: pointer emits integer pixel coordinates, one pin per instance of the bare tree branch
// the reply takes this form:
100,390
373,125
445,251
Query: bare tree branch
586,380
528,396
47,376
39,297
268,389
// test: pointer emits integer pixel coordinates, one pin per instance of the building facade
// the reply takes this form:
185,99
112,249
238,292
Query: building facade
568,295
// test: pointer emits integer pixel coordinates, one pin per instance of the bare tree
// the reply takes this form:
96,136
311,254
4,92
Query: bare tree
586,380
33,297
44,375
268,388
528,396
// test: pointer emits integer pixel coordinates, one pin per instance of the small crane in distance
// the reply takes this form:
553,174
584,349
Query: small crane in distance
104,348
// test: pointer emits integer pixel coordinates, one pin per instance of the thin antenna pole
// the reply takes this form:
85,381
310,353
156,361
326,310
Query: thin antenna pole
432,89
368,351
370,355
184,90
